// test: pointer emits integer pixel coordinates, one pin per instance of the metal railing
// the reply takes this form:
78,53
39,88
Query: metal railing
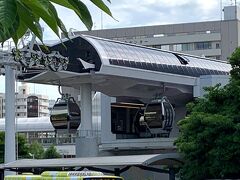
53,140
66,140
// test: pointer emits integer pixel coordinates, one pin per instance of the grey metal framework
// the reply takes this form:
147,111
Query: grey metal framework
104,52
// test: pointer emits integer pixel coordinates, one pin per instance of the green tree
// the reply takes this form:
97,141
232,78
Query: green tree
2,146
51,153
36,150
17,16
210,135
22,146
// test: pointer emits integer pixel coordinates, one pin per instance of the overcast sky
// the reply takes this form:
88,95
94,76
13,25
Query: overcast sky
137,13
145,12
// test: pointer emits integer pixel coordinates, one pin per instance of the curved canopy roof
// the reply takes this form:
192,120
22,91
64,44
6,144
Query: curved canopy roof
140,57
100,52
122,69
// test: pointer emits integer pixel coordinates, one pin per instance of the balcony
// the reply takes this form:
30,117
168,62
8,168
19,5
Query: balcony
21,110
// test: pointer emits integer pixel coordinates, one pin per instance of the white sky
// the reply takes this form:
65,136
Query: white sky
135,13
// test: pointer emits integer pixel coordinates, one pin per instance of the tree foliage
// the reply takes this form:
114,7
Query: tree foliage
51,153
25,150
22,146
17,16
36,150
210,135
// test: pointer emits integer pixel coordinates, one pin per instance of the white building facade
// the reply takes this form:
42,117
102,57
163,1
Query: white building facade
27,104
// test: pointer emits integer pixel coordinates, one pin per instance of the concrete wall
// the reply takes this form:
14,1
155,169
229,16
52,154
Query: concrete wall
150,31
86,147
229,36
207,81
135,173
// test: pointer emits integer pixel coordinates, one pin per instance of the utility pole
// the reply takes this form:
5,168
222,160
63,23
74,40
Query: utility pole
10,130
6,61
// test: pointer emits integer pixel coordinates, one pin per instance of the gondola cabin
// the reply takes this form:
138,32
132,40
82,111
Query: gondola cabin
65,114
158,117
143,120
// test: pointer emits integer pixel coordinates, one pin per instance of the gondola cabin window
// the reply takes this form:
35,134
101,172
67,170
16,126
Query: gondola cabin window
153,115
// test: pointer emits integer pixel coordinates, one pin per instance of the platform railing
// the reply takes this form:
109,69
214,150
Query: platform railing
66,140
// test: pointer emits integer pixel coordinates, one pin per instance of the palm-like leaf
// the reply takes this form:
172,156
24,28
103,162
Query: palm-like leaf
27,20
8,18
17,16
79,8
57,19
41,9
100,4
82,13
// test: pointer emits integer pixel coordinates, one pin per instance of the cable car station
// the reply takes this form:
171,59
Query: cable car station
123,100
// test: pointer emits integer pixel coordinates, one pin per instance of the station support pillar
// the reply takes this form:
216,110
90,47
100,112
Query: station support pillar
87,142
10,144
86,109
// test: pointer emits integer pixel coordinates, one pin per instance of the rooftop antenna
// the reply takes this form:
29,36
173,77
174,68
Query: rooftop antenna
235,4
221,10
101,20
94,26
220,22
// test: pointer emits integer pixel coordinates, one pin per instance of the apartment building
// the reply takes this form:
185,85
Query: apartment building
211,39
27,104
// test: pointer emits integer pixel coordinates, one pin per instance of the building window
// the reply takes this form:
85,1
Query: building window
187,47
177,47
202,45
165,47
157,46
217,46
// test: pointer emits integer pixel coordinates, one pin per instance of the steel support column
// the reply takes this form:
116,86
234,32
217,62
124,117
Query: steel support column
86,109
10,144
